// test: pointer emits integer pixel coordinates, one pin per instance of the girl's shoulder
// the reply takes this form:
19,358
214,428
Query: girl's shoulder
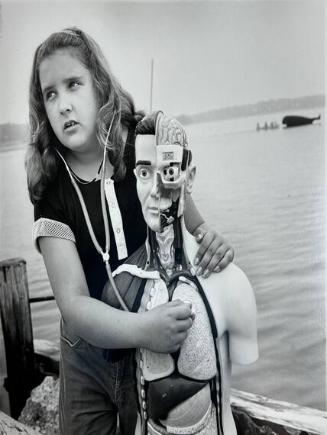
55,195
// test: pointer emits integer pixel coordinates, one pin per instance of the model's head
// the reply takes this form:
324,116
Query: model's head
164,170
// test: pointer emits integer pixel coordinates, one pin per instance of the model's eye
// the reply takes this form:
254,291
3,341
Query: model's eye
143,172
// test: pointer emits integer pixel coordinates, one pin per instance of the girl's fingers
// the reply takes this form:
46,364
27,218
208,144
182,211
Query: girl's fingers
216,257
210,262
180,339
215,262
206,241
227,258
184,325
211,258
182,310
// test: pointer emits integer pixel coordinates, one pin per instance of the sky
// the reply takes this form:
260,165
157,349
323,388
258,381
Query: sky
206,55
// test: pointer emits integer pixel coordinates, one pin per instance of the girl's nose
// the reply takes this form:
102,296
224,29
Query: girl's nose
64,104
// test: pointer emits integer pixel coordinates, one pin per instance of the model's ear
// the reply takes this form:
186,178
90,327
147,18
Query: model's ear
191,171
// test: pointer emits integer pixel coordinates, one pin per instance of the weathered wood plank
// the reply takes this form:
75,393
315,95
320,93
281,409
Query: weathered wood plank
17,332
288,415
9,426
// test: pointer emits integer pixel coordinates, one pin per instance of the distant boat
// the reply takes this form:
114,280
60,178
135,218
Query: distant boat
271,126
296,121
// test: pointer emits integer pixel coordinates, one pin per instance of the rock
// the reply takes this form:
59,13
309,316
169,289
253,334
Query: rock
41,411
9,426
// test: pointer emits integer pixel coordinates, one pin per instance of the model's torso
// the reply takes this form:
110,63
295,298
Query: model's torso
196,361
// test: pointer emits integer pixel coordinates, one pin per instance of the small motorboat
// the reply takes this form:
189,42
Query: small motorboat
297,121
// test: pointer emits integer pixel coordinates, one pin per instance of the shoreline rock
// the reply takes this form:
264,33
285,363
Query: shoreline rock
41,411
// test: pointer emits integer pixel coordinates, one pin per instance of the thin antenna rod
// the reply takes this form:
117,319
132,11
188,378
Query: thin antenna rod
151,85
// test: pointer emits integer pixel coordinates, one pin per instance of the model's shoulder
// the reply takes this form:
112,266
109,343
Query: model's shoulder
231,281
229,294
239,315
236,292
235,279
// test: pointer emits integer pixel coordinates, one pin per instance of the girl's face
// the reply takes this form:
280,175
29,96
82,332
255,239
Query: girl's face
70,100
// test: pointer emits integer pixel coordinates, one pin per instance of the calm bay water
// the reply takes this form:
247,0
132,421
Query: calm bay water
264,191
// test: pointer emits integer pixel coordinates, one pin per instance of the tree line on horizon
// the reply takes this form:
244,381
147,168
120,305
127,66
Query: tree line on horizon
259,108
13,133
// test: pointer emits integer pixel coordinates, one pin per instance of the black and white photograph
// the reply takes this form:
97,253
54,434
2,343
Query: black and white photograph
163,217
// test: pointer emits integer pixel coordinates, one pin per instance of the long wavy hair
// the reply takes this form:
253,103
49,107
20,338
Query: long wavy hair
41,159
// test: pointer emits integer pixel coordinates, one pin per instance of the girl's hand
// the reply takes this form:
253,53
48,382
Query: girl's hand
214,253
165,326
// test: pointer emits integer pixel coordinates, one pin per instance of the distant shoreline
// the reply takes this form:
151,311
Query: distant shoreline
260,108
15,136
12,146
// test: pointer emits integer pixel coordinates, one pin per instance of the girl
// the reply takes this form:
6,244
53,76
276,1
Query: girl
78,110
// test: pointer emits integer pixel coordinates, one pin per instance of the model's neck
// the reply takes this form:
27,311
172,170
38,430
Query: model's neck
166,251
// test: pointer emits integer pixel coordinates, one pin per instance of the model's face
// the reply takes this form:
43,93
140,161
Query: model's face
70,100
150,170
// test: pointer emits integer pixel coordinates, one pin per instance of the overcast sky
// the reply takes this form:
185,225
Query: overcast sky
206,54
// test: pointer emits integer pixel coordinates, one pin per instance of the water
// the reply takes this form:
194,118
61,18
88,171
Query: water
264,191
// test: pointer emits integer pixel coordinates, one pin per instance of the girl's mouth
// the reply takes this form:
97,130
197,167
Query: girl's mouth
70,124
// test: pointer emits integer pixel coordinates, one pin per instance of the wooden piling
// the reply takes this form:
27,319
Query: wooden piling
17,331
274,416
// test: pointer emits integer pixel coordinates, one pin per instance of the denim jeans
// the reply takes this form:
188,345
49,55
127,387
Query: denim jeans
93,391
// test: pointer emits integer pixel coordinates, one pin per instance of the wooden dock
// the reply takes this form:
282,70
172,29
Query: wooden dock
282,418
254,414
25,368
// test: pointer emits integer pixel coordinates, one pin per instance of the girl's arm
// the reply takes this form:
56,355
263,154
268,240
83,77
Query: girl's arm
214,253
162,329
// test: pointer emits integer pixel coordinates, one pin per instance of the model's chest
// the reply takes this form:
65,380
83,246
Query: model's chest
197,358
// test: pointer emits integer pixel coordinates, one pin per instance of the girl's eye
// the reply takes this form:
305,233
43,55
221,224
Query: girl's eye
50,95
74,84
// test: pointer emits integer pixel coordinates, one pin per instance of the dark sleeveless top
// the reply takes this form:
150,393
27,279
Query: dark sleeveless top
61,204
